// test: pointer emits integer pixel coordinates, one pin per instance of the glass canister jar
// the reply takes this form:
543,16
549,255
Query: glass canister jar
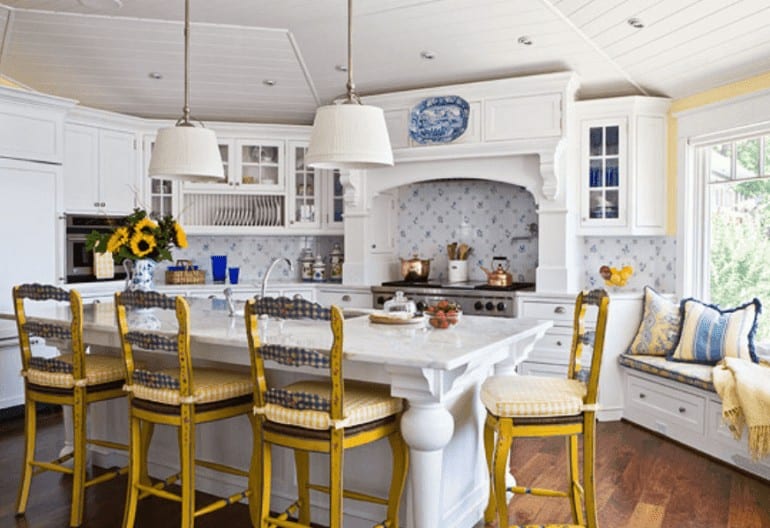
336,258
306,265
319,269
400,306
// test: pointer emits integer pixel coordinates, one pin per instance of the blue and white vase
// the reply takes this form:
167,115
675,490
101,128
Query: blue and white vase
140,274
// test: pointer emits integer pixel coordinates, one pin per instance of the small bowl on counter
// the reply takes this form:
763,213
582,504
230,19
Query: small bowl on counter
444,314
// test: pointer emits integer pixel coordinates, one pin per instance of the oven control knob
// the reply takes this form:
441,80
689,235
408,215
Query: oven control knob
479,305
420,306
500,307
380,300
490,306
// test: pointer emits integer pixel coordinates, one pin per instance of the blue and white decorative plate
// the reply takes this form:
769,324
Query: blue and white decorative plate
439,119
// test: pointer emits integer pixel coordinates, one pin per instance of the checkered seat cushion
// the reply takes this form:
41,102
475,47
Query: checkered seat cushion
363,403
57,371
209,385
532,396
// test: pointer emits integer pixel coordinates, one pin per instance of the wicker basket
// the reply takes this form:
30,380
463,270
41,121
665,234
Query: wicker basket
185,276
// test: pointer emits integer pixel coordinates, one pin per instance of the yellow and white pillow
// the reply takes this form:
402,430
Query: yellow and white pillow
659,330
710,334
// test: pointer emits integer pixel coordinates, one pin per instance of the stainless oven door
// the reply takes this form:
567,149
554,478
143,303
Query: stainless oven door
80,261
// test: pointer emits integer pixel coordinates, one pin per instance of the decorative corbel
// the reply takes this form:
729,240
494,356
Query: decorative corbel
351,181
549,169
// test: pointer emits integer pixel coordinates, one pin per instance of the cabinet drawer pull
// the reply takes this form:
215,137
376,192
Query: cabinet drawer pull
559,310
642,395
346,298
682,410
558,343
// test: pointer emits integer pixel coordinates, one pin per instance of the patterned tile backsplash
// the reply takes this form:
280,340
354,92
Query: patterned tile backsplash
653,260
493,218
252,254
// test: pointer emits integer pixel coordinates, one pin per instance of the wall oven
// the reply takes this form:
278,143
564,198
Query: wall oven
80,261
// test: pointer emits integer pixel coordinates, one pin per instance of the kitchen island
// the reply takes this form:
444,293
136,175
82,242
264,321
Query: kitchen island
438,372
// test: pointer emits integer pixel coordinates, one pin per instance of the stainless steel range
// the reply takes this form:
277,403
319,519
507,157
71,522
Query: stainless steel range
475,298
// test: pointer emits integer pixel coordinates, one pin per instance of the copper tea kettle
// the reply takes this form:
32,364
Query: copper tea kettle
499,274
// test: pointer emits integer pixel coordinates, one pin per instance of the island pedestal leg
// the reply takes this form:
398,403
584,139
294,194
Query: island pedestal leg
427,428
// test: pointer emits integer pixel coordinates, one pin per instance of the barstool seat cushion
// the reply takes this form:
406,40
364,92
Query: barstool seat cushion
532,396
363,403
57,371
209,385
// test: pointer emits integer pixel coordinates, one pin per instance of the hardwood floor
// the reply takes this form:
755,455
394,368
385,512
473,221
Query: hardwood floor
643,481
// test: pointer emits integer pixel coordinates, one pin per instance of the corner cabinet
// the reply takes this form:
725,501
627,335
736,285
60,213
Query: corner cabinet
623,166
99,170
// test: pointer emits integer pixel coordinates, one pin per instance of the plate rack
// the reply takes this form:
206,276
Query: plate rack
252,210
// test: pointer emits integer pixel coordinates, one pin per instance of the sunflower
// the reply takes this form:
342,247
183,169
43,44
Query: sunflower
145,223
180,237
142,244
118,239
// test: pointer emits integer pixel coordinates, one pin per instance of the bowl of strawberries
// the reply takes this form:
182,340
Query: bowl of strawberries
443,314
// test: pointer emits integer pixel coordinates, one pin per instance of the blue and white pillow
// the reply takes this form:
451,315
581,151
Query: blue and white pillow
659,330
709,334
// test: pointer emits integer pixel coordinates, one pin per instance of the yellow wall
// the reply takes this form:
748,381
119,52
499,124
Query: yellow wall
10,84
728,91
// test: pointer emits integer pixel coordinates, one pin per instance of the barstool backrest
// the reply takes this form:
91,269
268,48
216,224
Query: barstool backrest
598,300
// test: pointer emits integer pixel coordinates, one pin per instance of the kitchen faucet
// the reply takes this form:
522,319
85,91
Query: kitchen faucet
270,268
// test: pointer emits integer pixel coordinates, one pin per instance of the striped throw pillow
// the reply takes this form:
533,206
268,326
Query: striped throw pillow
659,330
709,334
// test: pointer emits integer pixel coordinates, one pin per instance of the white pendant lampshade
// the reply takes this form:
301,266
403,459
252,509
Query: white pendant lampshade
186,153
349,136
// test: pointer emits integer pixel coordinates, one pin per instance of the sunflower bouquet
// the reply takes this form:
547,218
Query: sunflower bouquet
140,237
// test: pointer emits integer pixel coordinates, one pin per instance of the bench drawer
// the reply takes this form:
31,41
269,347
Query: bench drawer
670,407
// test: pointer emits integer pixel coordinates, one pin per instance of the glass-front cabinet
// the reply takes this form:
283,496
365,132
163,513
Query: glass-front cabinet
335,203
260,163
603,173
305,189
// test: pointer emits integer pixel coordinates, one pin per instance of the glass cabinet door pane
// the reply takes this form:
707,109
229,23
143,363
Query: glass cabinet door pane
611,175
596,199
595,176
596,141
612,140
155,185
611,204
269,175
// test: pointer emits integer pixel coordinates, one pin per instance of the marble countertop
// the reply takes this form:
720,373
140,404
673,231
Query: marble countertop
414,345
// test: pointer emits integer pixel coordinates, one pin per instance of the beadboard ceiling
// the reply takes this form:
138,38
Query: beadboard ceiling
100,52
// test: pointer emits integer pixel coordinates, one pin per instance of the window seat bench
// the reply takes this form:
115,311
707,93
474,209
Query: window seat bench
678,400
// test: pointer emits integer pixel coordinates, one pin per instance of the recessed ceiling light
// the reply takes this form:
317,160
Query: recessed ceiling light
427,55
341,68
268,82
155,75
524,40
635,23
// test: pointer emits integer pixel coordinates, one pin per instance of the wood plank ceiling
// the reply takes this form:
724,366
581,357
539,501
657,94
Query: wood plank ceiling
101,52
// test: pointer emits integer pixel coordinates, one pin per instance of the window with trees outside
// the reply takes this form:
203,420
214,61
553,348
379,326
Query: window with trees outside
735,249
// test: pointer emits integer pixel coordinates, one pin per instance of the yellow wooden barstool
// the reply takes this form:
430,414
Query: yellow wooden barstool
73,378
327,416
532,406
182,397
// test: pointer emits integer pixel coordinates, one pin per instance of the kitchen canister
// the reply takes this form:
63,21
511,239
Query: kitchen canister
319,269
336,258
306,265
458,271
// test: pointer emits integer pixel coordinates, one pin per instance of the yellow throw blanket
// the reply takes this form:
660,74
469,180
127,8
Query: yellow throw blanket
745,391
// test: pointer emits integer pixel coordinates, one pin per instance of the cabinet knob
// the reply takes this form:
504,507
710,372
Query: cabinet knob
642,395
374,246
558,343
104,204
559,310
346,298
682,410
97,301
96,204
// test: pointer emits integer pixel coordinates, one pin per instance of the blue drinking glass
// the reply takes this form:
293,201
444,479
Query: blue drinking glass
219,268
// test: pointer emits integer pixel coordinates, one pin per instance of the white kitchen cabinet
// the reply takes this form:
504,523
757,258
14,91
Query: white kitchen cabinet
333,203
382,228
315,199
249,165
99,170
344,297
622,180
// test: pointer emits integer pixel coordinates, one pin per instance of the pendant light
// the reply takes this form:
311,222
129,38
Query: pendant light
349,135
186,152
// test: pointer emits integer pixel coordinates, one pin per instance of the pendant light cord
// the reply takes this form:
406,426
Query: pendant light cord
185,121
352,95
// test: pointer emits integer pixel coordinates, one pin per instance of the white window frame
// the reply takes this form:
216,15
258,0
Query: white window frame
695,281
